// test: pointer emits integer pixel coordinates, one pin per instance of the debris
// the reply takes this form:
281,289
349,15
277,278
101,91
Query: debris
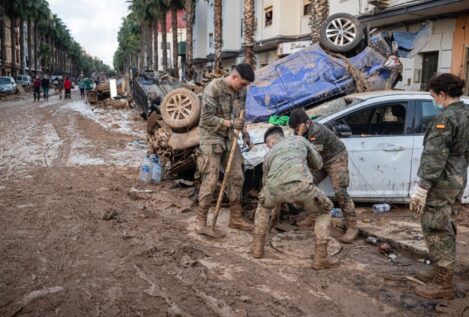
145,170
140,193
20,90
336,213
184,183
25,300
426,261
413,279
372,240
392,257
379,208
384,248
110,214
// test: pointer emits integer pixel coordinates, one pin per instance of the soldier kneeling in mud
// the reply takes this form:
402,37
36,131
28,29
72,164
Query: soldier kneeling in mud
287,179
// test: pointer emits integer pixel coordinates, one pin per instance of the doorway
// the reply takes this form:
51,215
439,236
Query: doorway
429,68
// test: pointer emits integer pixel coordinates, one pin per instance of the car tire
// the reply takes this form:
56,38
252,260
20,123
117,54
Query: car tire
180,109
341,33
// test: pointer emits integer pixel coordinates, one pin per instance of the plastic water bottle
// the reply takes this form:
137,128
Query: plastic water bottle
145,170
379,208
336,213
155,168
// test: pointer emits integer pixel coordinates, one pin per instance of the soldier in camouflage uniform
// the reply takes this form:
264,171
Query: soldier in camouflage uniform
287,179
335,158
442,172
223,100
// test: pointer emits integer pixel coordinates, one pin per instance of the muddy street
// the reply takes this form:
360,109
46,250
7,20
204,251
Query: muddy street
80,239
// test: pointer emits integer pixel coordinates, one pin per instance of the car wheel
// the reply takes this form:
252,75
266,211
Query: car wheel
341,33
180,109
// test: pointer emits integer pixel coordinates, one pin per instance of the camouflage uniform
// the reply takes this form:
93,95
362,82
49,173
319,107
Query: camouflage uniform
335,158
220,103
442,172
287,178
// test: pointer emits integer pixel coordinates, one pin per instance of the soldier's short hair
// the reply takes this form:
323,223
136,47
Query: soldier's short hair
275,130
297,117
246,71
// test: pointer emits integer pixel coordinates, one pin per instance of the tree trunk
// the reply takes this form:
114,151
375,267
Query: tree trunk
36,38
156,65
190,10
164,42
3,55
30,49
218,41
13,47
249,30
319,13
149,41
174,29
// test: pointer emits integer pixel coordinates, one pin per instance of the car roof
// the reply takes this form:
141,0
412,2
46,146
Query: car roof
382,93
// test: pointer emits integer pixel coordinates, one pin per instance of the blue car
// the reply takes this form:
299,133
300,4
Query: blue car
312,75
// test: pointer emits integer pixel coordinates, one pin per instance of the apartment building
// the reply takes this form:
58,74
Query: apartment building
7,68
448,49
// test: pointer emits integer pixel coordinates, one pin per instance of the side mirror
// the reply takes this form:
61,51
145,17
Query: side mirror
343,130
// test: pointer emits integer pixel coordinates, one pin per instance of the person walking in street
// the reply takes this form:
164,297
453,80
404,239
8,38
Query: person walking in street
45,83
442,172
37,88
335,159
60,87
81,85
287,179
68,88
223,100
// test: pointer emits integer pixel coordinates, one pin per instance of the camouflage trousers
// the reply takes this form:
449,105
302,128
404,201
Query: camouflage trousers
340,179
303,194
209,160
438,226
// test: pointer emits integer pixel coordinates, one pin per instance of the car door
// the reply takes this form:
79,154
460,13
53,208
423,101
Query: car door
380,149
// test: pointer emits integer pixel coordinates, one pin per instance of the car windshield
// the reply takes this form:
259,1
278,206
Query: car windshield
330,107
4,81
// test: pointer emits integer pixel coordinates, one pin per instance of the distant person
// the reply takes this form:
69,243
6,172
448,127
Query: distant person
45,82
68,88
81,85
37,88
60,87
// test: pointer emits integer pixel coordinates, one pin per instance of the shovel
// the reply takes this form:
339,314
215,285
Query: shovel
225,178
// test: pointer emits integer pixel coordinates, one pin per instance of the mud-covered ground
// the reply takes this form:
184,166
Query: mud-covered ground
77,240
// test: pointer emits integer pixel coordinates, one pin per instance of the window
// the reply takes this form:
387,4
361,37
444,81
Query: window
306,7
382,120
210,40
268,15
426,111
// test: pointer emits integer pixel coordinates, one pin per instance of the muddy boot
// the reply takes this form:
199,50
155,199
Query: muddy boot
237,221
351,233
321,261
258,243
426,275
440,285
201,219
308,221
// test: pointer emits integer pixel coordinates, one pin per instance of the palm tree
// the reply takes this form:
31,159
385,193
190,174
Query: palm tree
175,5
319,13
190,13
249,30
218,30
3,54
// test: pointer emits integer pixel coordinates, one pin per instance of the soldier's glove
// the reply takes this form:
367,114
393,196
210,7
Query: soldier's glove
247,141
238,124
418,199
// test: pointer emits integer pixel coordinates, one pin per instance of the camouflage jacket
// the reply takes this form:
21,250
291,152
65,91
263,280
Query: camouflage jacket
289,161
326,142
219,103
446,143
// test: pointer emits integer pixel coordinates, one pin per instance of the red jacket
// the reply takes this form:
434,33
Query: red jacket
68,84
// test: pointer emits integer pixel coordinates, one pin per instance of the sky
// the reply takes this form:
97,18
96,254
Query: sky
93,23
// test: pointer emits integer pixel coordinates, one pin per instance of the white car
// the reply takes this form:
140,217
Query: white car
7,85
383,132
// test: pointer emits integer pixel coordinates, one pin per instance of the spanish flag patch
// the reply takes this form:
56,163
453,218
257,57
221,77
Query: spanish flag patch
312,138
440,126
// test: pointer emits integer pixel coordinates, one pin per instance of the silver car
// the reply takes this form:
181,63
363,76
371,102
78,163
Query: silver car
7,85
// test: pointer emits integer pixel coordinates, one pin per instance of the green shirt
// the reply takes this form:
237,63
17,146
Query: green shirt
219,103
290,160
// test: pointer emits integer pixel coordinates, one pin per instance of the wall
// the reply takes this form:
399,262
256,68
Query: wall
461,42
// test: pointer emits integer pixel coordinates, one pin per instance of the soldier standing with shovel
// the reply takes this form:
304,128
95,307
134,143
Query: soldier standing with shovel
223,101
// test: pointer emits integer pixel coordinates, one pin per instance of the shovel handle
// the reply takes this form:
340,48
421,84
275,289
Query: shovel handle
227,173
